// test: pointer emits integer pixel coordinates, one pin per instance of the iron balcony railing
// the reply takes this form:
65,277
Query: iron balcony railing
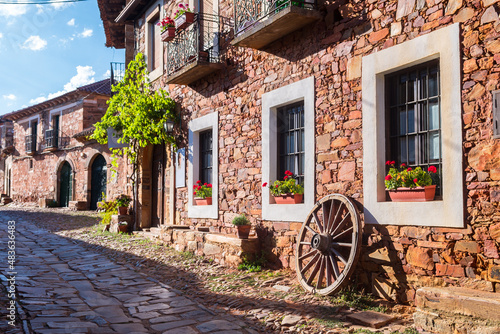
249,12
51,139
30,142
197,42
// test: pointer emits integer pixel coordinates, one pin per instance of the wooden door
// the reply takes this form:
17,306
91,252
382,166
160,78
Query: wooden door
65,185
98,181
158,180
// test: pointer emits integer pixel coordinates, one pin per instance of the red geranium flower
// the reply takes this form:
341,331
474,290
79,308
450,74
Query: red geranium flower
409,169
403,165
432,169
264,184
415,180
277,186
199,188
388,178
195,186
198,181
286,177
205,184
209,185
194,193
388,162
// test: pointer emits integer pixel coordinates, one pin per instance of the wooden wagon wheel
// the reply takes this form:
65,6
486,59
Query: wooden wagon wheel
328,245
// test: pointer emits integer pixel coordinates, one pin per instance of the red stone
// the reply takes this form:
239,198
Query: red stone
378,35
490,249
420,257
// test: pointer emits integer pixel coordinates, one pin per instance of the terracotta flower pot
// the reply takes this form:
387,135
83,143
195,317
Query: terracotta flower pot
243,231
289,199
123,228
122,210
184,20
418,194
203,201
168,34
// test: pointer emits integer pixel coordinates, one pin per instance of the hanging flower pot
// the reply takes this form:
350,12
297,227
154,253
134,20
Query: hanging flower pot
184,20
418,194
203,201
168,34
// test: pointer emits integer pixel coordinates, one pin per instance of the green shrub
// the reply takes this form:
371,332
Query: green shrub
240,220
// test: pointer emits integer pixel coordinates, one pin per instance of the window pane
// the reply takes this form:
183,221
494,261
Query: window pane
402,121
423,116
423,84
402,89
411,150
402,150
433,114
412,86
433,83
434,153
411,118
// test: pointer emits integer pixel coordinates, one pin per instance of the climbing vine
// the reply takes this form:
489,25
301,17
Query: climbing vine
137,112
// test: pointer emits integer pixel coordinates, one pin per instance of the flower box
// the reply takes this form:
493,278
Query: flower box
168,34
203,201
289,199
418,194
184,20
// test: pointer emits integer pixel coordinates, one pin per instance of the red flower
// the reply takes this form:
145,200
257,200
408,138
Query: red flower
194,193
264,184
199,187
198,181
415,180
209,185
286,177
195,186
393,162
388,178
288,173
409,169
277,186
388,162
205,184
432,169
403,165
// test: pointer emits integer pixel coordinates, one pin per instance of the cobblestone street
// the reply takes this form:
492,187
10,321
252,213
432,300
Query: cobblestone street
72,281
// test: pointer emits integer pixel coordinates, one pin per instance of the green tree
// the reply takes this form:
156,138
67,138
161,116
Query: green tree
138,113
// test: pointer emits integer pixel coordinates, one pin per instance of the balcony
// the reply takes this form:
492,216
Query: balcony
258,23
30,142
194,52
51,140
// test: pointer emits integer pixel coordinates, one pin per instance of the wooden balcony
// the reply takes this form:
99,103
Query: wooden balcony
259,23
194,52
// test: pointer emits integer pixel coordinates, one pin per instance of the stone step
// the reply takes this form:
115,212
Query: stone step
155,230
453,309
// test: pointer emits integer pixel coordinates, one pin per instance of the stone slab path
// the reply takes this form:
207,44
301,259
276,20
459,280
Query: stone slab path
65,288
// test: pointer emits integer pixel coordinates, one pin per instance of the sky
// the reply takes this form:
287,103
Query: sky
50,49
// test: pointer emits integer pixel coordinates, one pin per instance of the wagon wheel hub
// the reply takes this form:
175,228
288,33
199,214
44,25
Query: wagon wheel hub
321,242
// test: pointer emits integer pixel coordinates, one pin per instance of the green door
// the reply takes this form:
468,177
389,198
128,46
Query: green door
65,185
98,181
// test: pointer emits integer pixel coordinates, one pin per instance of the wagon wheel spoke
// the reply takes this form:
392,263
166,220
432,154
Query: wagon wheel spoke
328,245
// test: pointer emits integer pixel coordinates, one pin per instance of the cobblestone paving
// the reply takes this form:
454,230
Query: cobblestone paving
66,288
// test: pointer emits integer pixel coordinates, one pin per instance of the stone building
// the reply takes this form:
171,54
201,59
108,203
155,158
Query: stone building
47,153
366,81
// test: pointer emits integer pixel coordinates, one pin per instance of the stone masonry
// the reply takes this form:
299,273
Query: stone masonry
395,259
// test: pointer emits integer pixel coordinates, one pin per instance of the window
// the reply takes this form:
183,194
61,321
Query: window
288,120
203,163
291,140
412,107
154,45
414,117
206,156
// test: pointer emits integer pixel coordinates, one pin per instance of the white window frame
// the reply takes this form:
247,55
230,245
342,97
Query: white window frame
442,44
196,126
155,9
302,90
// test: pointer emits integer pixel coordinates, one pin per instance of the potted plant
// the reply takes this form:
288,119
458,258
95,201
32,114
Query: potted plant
286,191
203,193
122,203
183,17
243,226
167,29
122,227
405,184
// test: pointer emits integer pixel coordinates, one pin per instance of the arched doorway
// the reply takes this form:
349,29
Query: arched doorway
65,185
98,181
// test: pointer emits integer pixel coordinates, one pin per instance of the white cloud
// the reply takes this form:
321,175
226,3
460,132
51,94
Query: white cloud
10,97
13,10
1,35
86,33
34,43
107,74
71,22
84,76
61,5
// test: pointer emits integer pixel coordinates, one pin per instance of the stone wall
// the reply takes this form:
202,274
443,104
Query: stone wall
395,259
36,176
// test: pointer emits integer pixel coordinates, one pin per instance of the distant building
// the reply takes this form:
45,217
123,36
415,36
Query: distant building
48,155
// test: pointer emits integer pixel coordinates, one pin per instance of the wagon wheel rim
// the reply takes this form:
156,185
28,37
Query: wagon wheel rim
328,245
